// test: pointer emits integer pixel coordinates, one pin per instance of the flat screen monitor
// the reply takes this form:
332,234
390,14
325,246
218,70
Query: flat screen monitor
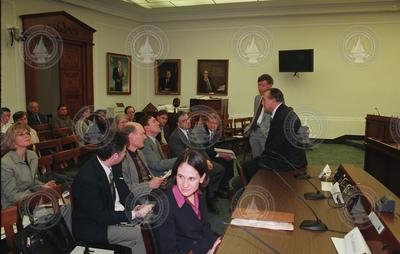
299,60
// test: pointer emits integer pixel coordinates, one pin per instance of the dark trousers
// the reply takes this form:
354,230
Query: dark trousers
216,175
264,162
228,166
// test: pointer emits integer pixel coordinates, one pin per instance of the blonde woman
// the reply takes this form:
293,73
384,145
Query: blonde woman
19,166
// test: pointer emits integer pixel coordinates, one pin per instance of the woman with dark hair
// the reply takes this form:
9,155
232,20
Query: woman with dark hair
19,167
22,117
186,226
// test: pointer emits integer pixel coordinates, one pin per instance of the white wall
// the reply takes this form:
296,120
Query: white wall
341,92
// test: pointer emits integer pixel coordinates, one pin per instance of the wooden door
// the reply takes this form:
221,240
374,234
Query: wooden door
71,78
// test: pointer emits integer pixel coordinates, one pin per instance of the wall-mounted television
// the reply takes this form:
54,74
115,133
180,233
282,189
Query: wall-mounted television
299,60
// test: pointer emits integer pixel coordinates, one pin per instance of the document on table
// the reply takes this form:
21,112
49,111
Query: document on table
352,243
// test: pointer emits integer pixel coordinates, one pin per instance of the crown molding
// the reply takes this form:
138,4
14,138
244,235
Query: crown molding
241,10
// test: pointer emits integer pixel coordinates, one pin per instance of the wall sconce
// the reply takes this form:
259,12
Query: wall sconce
15,35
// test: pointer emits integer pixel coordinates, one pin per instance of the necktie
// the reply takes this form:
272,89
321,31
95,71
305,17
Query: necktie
160,149
254,123
163,140
112,188
211,136
38,118
143,171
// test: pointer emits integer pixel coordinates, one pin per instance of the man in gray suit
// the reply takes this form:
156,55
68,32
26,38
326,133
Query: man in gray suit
135,170
152,150
257,130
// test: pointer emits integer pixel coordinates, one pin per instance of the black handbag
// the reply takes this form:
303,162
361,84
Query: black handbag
55,239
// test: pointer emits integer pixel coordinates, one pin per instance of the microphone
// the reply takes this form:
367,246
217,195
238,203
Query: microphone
317,195
312,225
376,108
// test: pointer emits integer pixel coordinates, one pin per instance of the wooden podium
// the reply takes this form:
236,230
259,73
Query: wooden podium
382,151
219,105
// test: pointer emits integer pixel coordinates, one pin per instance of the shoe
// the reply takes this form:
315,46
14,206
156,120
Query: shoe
223,194
212,206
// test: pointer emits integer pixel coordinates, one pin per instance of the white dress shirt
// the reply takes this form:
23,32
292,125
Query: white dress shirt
273,112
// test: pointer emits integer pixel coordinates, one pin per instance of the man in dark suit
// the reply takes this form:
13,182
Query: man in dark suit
162,118
167,83
98,200
34,116
118,76
282,151
180,140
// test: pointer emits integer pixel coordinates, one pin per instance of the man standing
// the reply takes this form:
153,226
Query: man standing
162,118
152,150
118,76
34,117
99,197
282,148
62,119
257,131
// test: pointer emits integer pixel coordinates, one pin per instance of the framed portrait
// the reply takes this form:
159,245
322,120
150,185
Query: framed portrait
212,77
118,74
167,76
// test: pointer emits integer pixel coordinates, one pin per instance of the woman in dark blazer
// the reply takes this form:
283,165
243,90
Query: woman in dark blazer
185,226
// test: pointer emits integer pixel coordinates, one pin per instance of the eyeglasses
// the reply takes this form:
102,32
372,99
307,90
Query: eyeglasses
20,134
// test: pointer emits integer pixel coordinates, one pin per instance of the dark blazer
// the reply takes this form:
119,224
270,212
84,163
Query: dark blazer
177,143
182,231
32,119
169,85
281,137
93,209
166,134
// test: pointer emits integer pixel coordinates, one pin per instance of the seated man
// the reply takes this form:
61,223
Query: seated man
5,119
152,150
62,119
34,116
162,118
98,197
179,141
130,112
134,166
282,149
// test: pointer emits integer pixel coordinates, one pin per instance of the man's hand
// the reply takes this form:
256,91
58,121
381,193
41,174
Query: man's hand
49,185
155,182
142,210
209,165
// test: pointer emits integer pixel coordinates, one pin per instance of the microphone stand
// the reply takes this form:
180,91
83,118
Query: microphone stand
317,195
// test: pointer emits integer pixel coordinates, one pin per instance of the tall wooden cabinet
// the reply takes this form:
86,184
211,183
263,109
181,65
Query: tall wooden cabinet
219,105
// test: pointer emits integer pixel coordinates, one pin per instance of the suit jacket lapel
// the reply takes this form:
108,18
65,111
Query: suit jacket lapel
105,184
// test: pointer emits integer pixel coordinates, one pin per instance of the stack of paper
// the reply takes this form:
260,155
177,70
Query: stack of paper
263,219
353,243
225,153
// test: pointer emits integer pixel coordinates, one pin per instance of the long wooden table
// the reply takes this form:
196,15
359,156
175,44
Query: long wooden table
267,191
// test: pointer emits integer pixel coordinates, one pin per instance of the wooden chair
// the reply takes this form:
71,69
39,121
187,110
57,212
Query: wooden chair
241,174
45,164
45,135
41,127
69,142
165,149
9,218
48,147
240,124
65,157
62,132
228,130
